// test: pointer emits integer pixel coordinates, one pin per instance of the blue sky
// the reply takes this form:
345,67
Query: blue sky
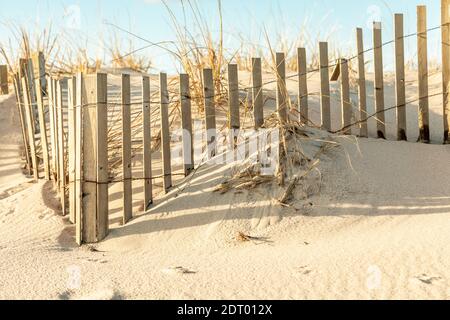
84,21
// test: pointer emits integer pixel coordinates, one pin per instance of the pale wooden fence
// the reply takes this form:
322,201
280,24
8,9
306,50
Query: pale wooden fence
65,121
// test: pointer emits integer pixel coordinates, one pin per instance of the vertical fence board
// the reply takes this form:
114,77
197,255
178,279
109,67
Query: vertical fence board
78,158
234,121
186,124
422,43
126,150
400,90
29,75
345,97
55,132
30,131
147,142
165,133
20,107
52,121
4,87
29,114
282,94
102,157
257,91
61,145
302,85
233,97
36,62
362,93
71,145
95,159
445,22
210,112
324,86
379,80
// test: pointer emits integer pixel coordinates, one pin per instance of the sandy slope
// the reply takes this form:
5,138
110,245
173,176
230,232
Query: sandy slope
376,227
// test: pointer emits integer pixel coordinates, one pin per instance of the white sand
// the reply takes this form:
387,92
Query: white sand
378,228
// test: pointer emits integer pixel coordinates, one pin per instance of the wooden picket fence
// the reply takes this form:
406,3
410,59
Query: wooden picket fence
65,121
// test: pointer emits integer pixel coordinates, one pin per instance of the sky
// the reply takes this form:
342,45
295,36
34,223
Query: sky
88,23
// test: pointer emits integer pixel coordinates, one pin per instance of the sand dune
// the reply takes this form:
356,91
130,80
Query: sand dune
375,225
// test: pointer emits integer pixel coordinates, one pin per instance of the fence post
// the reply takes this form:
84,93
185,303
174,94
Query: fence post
379,80
186,124
20,105
95,223
78,157
210,112
36,63
257,91
4,88
324,86
71,146
362,94
282,93
55,131
445,22
422,54
29,115
400,78
302,85
234,121
53,135
61,144
345,97
165,133
126,150
147,142
31,138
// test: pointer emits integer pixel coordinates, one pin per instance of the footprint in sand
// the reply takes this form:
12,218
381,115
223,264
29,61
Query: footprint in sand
303,270
12,191
424,278
177,271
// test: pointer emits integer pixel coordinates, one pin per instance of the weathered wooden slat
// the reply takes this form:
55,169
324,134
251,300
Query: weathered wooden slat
379,80
95,224
4,87
147,142
102,157
36,63
54,125
282,93
422,54
30,131
72,146
210,113
234,120
20,107
257,91
186,124
126,150
445,26
362,93
346,104
302,85
165,133
61,84
78,158
324,86
400,90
